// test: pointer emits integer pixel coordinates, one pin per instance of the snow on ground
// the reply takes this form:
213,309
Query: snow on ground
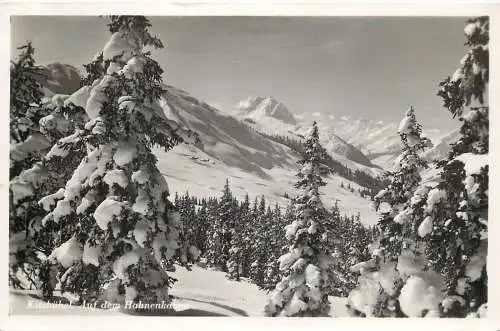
199,292
211,288
187,168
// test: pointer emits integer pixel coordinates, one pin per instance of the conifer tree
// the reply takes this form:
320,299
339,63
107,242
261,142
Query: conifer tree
275,246
256,270
348,241
221,232
303,288
202,229
246,241
186,207
36,123
113,218
226,223
446,274
397,226
25,93
455,226
396,219
234,252
187,211
262,206
25,112
234,256
214,240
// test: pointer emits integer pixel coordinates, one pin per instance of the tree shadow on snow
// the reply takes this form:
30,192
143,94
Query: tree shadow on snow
168,312
186,312
237,311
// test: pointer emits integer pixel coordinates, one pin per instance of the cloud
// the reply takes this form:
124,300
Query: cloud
316,114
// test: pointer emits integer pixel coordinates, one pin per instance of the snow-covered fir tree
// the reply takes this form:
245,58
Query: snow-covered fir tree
186,206
267,244
234,256
202,226
351,247
236,248
453,210
303,288
37,121
25,91
213,245
25,112
222,230
275,245
455,227
246,221
256,256
113,221
226,225
440,269
395,222
382,276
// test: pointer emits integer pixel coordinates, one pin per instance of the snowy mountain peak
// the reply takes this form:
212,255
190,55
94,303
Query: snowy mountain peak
257,107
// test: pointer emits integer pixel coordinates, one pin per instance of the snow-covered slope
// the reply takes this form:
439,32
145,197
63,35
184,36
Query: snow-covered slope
223,137
188,168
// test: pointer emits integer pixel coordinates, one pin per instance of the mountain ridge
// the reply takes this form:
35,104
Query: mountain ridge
366,142
261,120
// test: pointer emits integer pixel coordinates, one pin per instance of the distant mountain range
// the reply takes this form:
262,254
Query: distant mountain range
369,143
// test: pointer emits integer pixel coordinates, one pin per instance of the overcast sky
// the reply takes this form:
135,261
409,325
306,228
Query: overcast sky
362,67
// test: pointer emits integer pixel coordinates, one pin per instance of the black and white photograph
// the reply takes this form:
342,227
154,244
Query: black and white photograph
271,166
